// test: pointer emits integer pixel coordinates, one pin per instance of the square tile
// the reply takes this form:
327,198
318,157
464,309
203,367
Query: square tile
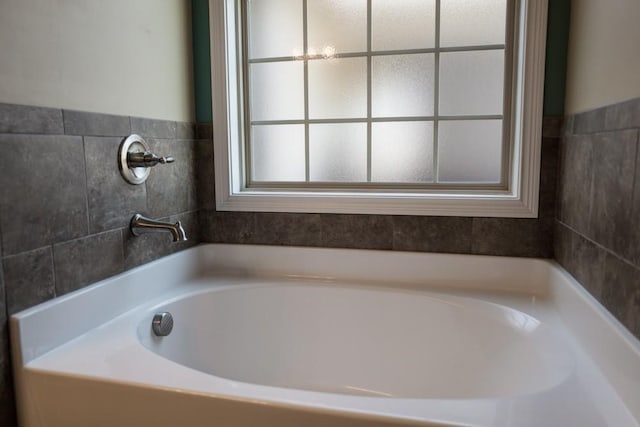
576,176
43,191
513,237
624,115
185,130
87,260
205,179
152,128
549,165
614,157
145,248
227,227
552,126
27,119
562,241
204,131
112,201
357,231
620,294
293,229
567,126
95,124
171,188
432,234
587,264
28,279
7,399
589,121
633,250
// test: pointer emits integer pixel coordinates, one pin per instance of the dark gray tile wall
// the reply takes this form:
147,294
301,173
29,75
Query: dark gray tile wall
7,413
43,190
64,206
111,200
65,209
493,236
597,236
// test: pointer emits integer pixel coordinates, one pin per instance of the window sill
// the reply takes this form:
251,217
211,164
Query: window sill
476,205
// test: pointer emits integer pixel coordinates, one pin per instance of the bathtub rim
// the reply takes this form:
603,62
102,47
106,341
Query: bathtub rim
221,258
603,337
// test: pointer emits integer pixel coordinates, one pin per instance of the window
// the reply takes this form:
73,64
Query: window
427,107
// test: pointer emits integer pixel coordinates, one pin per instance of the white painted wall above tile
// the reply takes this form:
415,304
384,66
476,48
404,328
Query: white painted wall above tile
123,57
604,61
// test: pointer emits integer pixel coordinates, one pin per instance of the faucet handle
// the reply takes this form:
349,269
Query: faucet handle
146,159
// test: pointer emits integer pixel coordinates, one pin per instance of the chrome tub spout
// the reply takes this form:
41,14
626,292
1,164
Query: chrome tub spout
141,225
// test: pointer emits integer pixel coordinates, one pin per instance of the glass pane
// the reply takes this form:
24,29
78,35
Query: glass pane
471,82
338,152
277,91
337,25
338,88
402,85
275,28
402,24
472,22
402,152
277,153
470,151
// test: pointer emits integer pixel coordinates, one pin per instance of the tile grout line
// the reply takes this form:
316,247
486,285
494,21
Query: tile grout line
600,246
635,191
64,128
53,271
86,184
4,284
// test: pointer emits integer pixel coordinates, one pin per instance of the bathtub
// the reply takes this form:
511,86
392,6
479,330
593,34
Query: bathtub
279,336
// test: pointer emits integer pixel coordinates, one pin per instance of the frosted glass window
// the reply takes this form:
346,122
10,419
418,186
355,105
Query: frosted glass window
347,112
471,82
337,24
402,152
472,22
402,24
402,85
470,151
275,28
337,88
338,152
277,90
277,153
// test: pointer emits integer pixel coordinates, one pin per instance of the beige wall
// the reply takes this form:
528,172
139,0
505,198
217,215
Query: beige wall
604,53
128,57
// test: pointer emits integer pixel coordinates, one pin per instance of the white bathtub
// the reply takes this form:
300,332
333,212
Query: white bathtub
275,336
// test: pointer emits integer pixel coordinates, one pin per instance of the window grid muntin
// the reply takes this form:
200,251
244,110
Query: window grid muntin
436,93
369,90
433,186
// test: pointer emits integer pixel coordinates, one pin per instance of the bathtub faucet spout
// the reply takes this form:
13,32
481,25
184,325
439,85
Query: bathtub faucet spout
140,225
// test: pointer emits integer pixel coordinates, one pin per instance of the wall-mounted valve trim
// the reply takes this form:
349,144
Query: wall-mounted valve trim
135,158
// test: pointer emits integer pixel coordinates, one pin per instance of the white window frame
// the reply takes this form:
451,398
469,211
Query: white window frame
519,201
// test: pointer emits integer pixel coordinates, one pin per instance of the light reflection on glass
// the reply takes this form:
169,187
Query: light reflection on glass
326,52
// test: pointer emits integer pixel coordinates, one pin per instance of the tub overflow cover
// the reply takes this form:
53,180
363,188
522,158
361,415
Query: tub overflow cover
162,324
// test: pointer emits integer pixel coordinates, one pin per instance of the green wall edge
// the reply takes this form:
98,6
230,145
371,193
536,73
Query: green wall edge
556,57
201,59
